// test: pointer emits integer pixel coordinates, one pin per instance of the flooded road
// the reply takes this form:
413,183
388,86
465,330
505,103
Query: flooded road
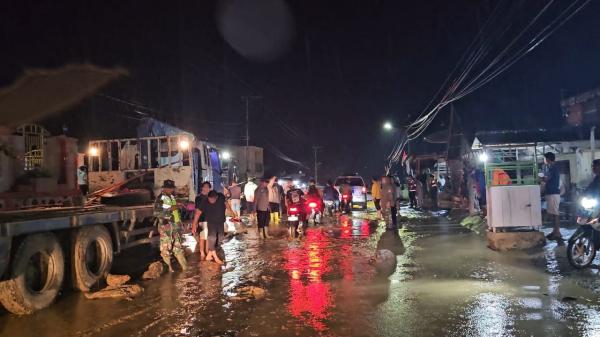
444,282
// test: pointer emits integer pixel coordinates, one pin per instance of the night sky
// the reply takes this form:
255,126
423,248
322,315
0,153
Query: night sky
337,71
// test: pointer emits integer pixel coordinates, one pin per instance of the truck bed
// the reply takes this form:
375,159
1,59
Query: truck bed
14,223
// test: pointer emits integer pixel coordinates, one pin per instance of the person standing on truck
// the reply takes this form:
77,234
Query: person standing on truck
200,219
82,180
235,197
169,223
249,189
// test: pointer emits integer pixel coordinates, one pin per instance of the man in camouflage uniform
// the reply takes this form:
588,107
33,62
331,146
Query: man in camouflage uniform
169,222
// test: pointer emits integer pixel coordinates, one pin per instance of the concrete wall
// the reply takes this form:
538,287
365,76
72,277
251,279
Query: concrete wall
255,160
580,173
10,168
60,154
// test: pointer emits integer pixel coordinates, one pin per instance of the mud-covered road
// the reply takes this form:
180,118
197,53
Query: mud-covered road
445,283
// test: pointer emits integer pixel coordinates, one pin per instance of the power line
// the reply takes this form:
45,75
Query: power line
477,51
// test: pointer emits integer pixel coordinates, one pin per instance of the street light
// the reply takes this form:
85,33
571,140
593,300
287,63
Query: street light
387,126
226,155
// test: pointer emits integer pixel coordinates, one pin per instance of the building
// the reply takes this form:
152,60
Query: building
574,154
582,109
240,167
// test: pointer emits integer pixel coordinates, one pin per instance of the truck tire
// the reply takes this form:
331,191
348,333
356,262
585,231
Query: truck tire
36,275
92,256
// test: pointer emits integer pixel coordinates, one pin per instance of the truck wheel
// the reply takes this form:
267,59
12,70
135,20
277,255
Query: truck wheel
92,256
36,275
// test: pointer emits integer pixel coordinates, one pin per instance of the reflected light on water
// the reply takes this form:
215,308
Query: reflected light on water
310,299
490,316
354,228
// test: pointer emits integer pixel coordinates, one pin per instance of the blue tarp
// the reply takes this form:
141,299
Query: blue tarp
150,127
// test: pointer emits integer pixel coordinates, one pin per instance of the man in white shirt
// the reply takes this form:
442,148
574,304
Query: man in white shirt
82,180
249,189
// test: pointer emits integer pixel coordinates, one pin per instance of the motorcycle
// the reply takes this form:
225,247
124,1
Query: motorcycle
330,207
314,211
295,219
583,244
346,203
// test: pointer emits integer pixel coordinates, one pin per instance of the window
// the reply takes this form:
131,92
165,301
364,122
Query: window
154,151
104,164
114,155
94,161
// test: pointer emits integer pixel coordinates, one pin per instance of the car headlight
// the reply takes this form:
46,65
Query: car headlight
588,203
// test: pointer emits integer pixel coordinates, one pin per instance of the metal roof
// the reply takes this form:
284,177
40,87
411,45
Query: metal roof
529,137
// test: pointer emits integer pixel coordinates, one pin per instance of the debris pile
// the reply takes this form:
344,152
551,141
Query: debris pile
117,288
155,269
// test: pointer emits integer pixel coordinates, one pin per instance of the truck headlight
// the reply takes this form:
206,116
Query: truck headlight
588,203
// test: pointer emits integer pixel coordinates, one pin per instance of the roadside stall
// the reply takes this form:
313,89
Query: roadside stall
514,212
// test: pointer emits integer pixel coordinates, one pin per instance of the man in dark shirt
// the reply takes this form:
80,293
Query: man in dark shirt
331,197
200,219
552,191
594,186
213,208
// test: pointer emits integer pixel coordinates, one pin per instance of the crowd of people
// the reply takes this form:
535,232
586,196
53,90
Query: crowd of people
264,201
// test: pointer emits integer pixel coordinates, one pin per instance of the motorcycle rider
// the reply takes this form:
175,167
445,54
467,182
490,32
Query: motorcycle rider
346,189
331,197
295,196
313,192
594,186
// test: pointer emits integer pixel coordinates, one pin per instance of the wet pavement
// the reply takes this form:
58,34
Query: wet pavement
444,282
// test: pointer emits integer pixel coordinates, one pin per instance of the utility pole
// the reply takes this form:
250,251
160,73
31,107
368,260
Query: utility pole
247,99
315,149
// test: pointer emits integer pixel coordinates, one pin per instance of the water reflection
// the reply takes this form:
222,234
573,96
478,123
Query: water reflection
490,316
354,227
310,299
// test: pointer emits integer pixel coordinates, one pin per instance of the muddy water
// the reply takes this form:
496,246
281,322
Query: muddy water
446,283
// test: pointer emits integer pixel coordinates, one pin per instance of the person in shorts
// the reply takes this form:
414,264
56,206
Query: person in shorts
235,198
552,192
200,219
213,207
